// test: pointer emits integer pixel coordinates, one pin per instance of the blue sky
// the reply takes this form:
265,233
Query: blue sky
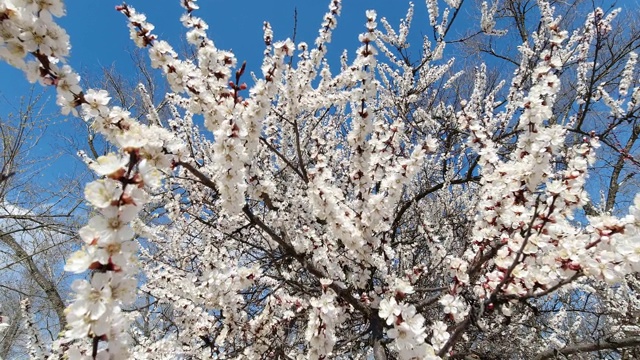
99,35
100,38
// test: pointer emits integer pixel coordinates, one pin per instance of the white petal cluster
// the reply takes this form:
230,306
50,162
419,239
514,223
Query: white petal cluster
454,306
407,327
324,316
325,214
627,74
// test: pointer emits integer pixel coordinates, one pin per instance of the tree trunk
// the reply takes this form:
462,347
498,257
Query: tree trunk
45,284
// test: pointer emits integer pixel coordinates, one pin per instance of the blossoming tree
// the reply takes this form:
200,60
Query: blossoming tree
377,211
36,228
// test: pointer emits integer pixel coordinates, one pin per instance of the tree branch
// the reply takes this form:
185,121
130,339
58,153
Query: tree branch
590,347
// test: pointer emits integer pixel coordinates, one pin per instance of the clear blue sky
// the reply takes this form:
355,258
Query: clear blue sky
100,38
99,35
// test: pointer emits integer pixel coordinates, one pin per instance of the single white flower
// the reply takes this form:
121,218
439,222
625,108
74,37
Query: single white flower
110,165
96,103
107,230
389,310
92,297
402,336
103,192
151,176
78,262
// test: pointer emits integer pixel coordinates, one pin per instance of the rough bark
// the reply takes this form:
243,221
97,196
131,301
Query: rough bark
45,283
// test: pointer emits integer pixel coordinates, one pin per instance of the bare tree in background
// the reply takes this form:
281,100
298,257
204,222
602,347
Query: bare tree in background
36,225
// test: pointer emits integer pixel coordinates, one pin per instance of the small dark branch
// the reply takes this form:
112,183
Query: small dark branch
518,259
426,192
288,249
590,210
465,38
377,335
289,163
493,53
303,170
545,292
614,185
92,146
453,19
606,344
424,304
94,350
457,333
295,31
202,177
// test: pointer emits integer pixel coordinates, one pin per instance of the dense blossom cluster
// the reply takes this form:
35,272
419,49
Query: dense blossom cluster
35,344
317,220
34,43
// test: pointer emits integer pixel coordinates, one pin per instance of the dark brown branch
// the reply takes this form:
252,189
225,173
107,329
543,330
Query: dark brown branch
45,284
340,289
202,177
426,192
609,344
614,186
303,170
281,156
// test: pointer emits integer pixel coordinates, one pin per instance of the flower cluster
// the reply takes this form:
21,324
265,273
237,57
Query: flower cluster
407,325
34,343
325,314
326,215
120,193
454,306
